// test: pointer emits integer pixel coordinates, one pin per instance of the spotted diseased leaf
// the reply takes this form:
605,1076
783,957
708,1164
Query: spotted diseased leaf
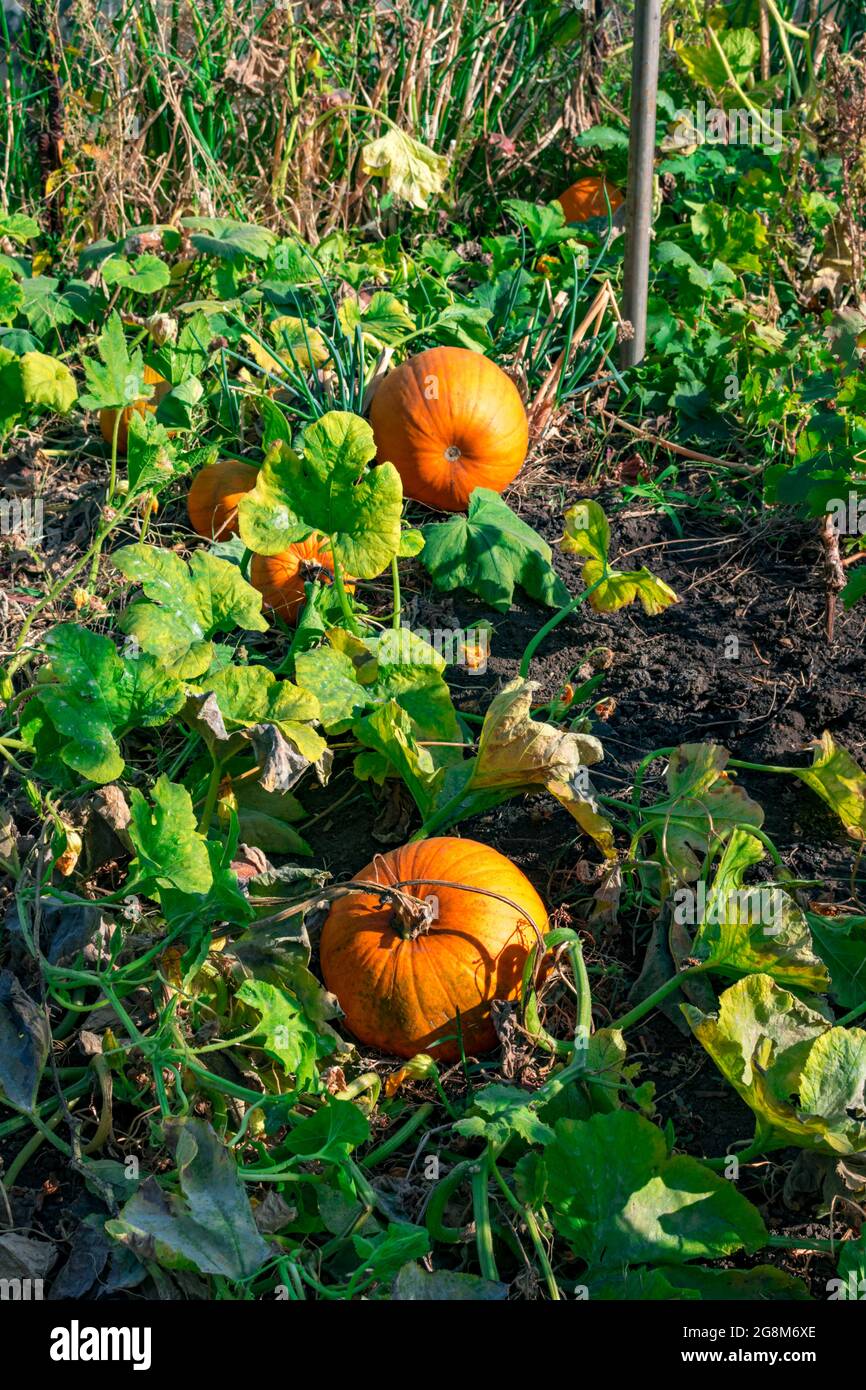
95,696
702,808
209,1224
412,172
330,490
587,533
170,852
803,1079
619,1198
489,552
185,605
838,780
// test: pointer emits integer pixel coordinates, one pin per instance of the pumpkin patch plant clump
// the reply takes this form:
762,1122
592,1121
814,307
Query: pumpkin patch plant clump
432,769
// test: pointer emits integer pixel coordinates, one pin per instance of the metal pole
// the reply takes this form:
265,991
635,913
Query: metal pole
639,194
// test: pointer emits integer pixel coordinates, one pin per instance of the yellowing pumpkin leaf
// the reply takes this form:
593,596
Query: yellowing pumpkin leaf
262,357
517,753
587,533
298,342
413,173
840,781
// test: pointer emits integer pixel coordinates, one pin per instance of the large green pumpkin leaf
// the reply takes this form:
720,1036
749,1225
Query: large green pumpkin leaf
11,295
704,64
330,1134
229,240
352,676
803,1078
619,1198
95,696
185,605
489,552
841,944
329,490
142,275
251,695
170,852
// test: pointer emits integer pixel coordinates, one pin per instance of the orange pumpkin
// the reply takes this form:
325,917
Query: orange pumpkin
212,502
586,199
108,417
450,420
402,982
280,579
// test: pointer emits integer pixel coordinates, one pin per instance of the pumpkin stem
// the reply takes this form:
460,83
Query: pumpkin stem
452,453
412,916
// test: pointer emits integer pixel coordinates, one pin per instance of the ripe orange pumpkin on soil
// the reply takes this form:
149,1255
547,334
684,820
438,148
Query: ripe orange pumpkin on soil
401,992
585,199
450,420
280,578
108,417
212,501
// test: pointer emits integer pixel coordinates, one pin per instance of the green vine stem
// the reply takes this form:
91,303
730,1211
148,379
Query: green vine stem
558,617
481,1213
93,551
527,1216
211,795
434,1216
399,1137
345,606
395,582
652,1001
